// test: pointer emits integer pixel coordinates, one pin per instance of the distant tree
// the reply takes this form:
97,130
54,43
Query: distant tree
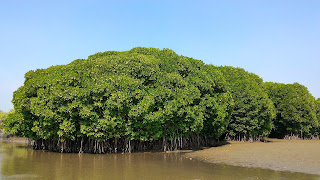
3,116
317,129
296,114
253,111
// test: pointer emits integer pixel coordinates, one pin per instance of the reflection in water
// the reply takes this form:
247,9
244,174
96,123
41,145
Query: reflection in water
21,162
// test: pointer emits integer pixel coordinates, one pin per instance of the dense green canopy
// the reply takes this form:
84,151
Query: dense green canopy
148,98
317,128
318,109
253,111
143,94
296,109
3,116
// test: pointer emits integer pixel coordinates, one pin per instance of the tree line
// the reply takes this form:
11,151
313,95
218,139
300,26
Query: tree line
147,98
3,116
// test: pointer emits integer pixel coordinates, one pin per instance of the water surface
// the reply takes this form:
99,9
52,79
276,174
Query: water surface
22,162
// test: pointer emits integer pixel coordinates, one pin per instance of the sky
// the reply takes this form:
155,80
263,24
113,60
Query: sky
277,40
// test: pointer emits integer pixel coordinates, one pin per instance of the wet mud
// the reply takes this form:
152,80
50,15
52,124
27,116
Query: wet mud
281,155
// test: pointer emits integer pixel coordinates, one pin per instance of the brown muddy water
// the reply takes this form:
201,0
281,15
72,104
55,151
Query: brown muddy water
22,162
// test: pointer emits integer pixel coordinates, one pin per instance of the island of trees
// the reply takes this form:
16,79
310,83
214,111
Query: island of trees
148,98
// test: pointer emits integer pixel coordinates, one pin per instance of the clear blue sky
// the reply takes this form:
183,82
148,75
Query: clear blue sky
278,40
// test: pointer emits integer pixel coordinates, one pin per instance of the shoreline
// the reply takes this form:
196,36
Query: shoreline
301,156
15,140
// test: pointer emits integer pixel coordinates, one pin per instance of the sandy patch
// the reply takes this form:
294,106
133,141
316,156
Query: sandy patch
282,155
17,140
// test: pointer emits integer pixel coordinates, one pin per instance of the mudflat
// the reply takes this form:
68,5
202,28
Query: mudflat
16,140
275,154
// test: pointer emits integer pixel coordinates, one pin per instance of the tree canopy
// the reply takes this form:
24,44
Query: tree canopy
147,98
296,109
144,94
253,111
3,116
317,129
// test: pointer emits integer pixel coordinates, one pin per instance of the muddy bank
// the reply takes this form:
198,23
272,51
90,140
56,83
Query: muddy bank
281,155
16,140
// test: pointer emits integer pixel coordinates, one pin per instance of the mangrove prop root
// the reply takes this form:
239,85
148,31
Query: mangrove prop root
122,145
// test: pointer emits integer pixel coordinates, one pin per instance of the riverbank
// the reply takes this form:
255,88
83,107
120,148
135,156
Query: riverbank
15,140
275,154
281,155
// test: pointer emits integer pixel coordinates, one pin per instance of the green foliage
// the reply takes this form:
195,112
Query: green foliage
253,111
142,94
3,116
154,96
317,109
296,109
